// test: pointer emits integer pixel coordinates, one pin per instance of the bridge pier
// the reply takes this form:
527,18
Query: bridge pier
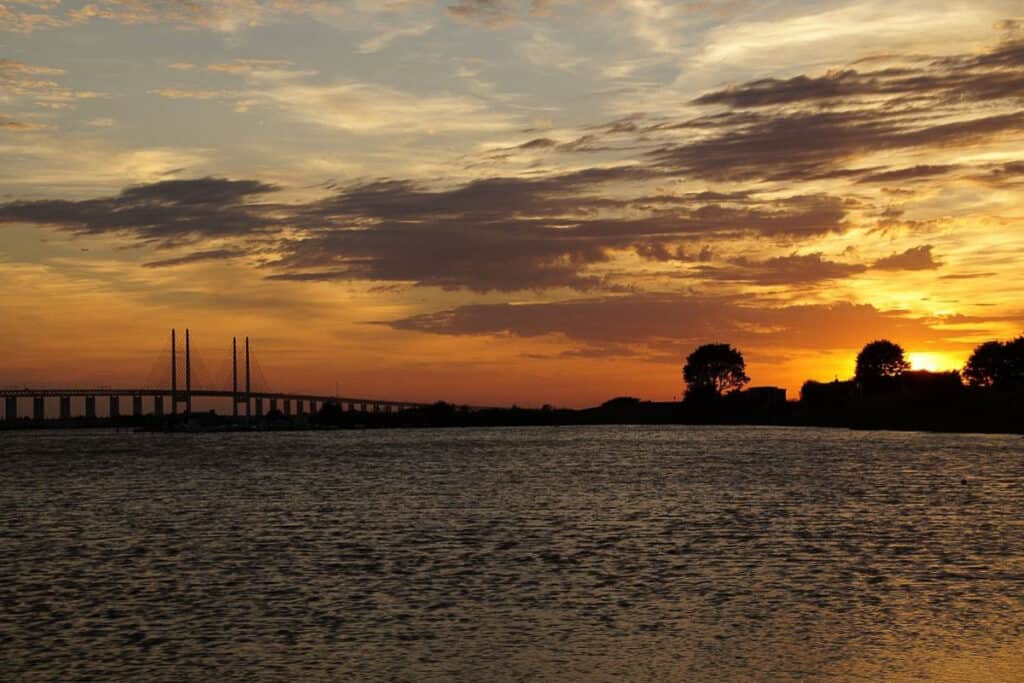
259,407
90,407
65,407
158,404
287,407
137,405
312,408
11,408
115,406
273,404
38,408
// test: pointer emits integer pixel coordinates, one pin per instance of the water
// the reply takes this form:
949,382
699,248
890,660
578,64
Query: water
594,554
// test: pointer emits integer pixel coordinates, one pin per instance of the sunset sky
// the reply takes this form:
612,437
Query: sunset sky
506,201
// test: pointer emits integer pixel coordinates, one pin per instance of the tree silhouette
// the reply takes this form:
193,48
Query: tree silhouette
712,370
1015,362
879,362
996,365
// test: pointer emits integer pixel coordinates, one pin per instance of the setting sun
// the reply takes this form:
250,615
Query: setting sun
932,361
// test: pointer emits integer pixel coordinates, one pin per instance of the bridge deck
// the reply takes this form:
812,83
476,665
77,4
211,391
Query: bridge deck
197,393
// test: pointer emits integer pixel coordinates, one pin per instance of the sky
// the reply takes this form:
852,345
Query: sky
506,201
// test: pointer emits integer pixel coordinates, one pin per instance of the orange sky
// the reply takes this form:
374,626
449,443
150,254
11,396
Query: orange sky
507,202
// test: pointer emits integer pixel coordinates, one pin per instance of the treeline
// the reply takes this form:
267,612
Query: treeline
986,396
884,393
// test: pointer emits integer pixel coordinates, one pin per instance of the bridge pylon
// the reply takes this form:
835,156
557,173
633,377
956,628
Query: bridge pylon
177,397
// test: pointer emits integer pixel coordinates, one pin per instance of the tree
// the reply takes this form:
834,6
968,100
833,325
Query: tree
712,370
996,365
879,362
986,366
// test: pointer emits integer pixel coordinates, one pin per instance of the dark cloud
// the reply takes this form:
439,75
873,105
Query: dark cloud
685,321
515,233
494,234
911,173
508,234
784,270
497,198
966,276
773,91
1010,26
527,233
810,127
538,143
996,74
451,254
1011,173
916,258
195,257
168,212
796,146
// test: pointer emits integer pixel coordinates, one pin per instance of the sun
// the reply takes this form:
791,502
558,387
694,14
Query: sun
930,361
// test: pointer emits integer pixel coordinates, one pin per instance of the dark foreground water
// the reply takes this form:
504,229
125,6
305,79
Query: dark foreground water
577,554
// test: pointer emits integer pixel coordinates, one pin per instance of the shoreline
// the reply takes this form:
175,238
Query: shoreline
105,426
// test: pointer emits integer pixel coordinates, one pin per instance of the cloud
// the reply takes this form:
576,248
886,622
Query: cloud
10,67
21,82
588,229
191,94
919,172
796,146
802,128
230,16
496,13
196,257
784,270
916,258
20,126
217,15
993,75
385,38
167,213
353,107
507,234
250,66
26,16
684,321
827,34
496,234
375,109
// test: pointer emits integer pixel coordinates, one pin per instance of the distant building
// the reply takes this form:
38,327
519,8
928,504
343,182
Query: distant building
827,393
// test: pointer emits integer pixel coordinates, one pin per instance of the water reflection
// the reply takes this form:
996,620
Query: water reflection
563,554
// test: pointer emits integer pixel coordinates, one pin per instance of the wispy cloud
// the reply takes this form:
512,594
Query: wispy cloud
354,107
35,84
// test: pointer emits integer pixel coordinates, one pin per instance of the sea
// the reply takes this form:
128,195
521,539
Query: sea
626,553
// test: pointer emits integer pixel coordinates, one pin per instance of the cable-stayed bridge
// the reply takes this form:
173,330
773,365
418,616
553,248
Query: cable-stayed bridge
178,378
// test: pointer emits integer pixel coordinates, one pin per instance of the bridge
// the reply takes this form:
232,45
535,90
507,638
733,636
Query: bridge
176,397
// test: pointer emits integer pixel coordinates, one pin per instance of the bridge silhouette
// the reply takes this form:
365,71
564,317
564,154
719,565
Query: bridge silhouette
175,397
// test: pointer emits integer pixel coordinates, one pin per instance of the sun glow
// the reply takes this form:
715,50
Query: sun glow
931,361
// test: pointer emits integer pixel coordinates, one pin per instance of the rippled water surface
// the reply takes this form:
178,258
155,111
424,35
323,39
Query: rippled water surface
592,554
